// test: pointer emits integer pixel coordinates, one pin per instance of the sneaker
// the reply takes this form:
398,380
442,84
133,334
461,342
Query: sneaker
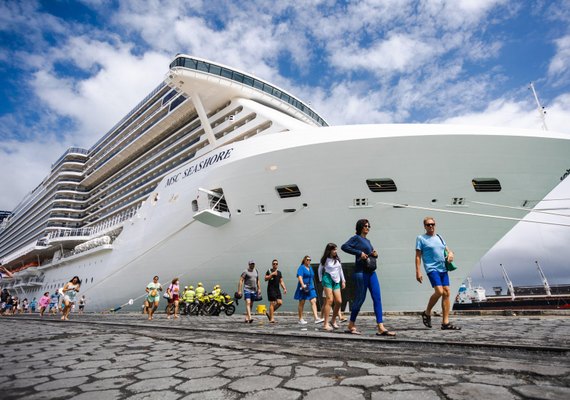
302,322
319,320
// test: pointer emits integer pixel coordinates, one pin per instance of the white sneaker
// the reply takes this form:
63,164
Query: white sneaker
302,322
319,320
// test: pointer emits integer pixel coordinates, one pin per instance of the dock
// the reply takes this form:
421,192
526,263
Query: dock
125,356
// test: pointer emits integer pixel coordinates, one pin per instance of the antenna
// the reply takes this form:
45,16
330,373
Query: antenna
544,281
509,283
541,110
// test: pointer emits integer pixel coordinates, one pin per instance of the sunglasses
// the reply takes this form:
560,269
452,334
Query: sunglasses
429,224
275,263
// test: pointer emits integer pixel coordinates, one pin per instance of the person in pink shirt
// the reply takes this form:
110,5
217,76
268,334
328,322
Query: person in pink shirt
44,302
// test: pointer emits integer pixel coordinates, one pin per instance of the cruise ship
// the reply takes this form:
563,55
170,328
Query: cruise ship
216,167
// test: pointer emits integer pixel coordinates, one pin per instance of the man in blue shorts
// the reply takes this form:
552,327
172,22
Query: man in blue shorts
249,282
430,249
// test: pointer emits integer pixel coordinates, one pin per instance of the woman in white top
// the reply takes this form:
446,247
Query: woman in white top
332,278
69,293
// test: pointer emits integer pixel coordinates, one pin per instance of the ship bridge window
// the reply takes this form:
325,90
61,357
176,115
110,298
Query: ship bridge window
486,185
288,191
381,185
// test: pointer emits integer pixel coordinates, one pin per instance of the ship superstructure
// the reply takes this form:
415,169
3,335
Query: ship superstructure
215,167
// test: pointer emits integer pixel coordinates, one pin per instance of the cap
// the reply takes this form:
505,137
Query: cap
250,262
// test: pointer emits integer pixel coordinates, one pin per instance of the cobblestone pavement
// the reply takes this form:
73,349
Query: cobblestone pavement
124,356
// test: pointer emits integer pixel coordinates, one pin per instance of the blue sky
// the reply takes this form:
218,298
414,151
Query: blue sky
69,70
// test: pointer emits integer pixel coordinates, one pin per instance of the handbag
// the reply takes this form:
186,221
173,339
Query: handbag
166,296
258,297
371,264
153,293
449,265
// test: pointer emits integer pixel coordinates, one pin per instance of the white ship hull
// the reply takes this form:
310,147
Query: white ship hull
432,165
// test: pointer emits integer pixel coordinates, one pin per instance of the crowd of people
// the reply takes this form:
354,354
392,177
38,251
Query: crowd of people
62,300
431,250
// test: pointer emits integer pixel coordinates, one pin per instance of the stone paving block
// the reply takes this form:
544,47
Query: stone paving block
112,373
423,378
24,383
135,356
92,364
543,392
200,372
105,384
267,356
394,371
403,387
152,385
309,382
494,379
406,395
246,385
75,373
240,362
360,364
203,384
124,364
157,395
36,373
62,383
221,394
279,362
51,394
284,372
324,363
301,370
158,373
477,391
99,395
336,393
15,371
274,394
368,381
238,372
155,365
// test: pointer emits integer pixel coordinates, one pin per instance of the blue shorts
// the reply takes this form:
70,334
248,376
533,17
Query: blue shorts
329,283
252,296
438,278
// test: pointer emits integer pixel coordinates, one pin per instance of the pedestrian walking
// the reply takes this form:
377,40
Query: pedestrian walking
82,302
275,282
153,297
332,278
431,249
173,298
306,290
365,278
249,283
44,303
70,290
54,302
33,305
25,306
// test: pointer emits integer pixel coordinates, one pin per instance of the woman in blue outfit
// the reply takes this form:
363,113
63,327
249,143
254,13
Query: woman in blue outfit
306,289
360,247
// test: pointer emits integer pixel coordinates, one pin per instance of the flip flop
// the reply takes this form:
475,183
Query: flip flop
386,333
353,331
426,319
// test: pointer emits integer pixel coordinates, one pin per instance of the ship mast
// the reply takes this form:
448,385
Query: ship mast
509,283
544,281
541,110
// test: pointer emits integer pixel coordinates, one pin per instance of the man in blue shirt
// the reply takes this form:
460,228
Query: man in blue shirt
430,249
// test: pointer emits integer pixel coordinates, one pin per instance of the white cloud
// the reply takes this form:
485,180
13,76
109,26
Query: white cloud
560,63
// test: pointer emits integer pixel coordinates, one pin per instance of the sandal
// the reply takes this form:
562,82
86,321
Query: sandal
386,333
353,331
335,326
426,319
450,327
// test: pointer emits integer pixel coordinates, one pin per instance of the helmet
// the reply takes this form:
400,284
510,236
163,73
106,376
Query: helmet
199,283
185,287
216,286
191,287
